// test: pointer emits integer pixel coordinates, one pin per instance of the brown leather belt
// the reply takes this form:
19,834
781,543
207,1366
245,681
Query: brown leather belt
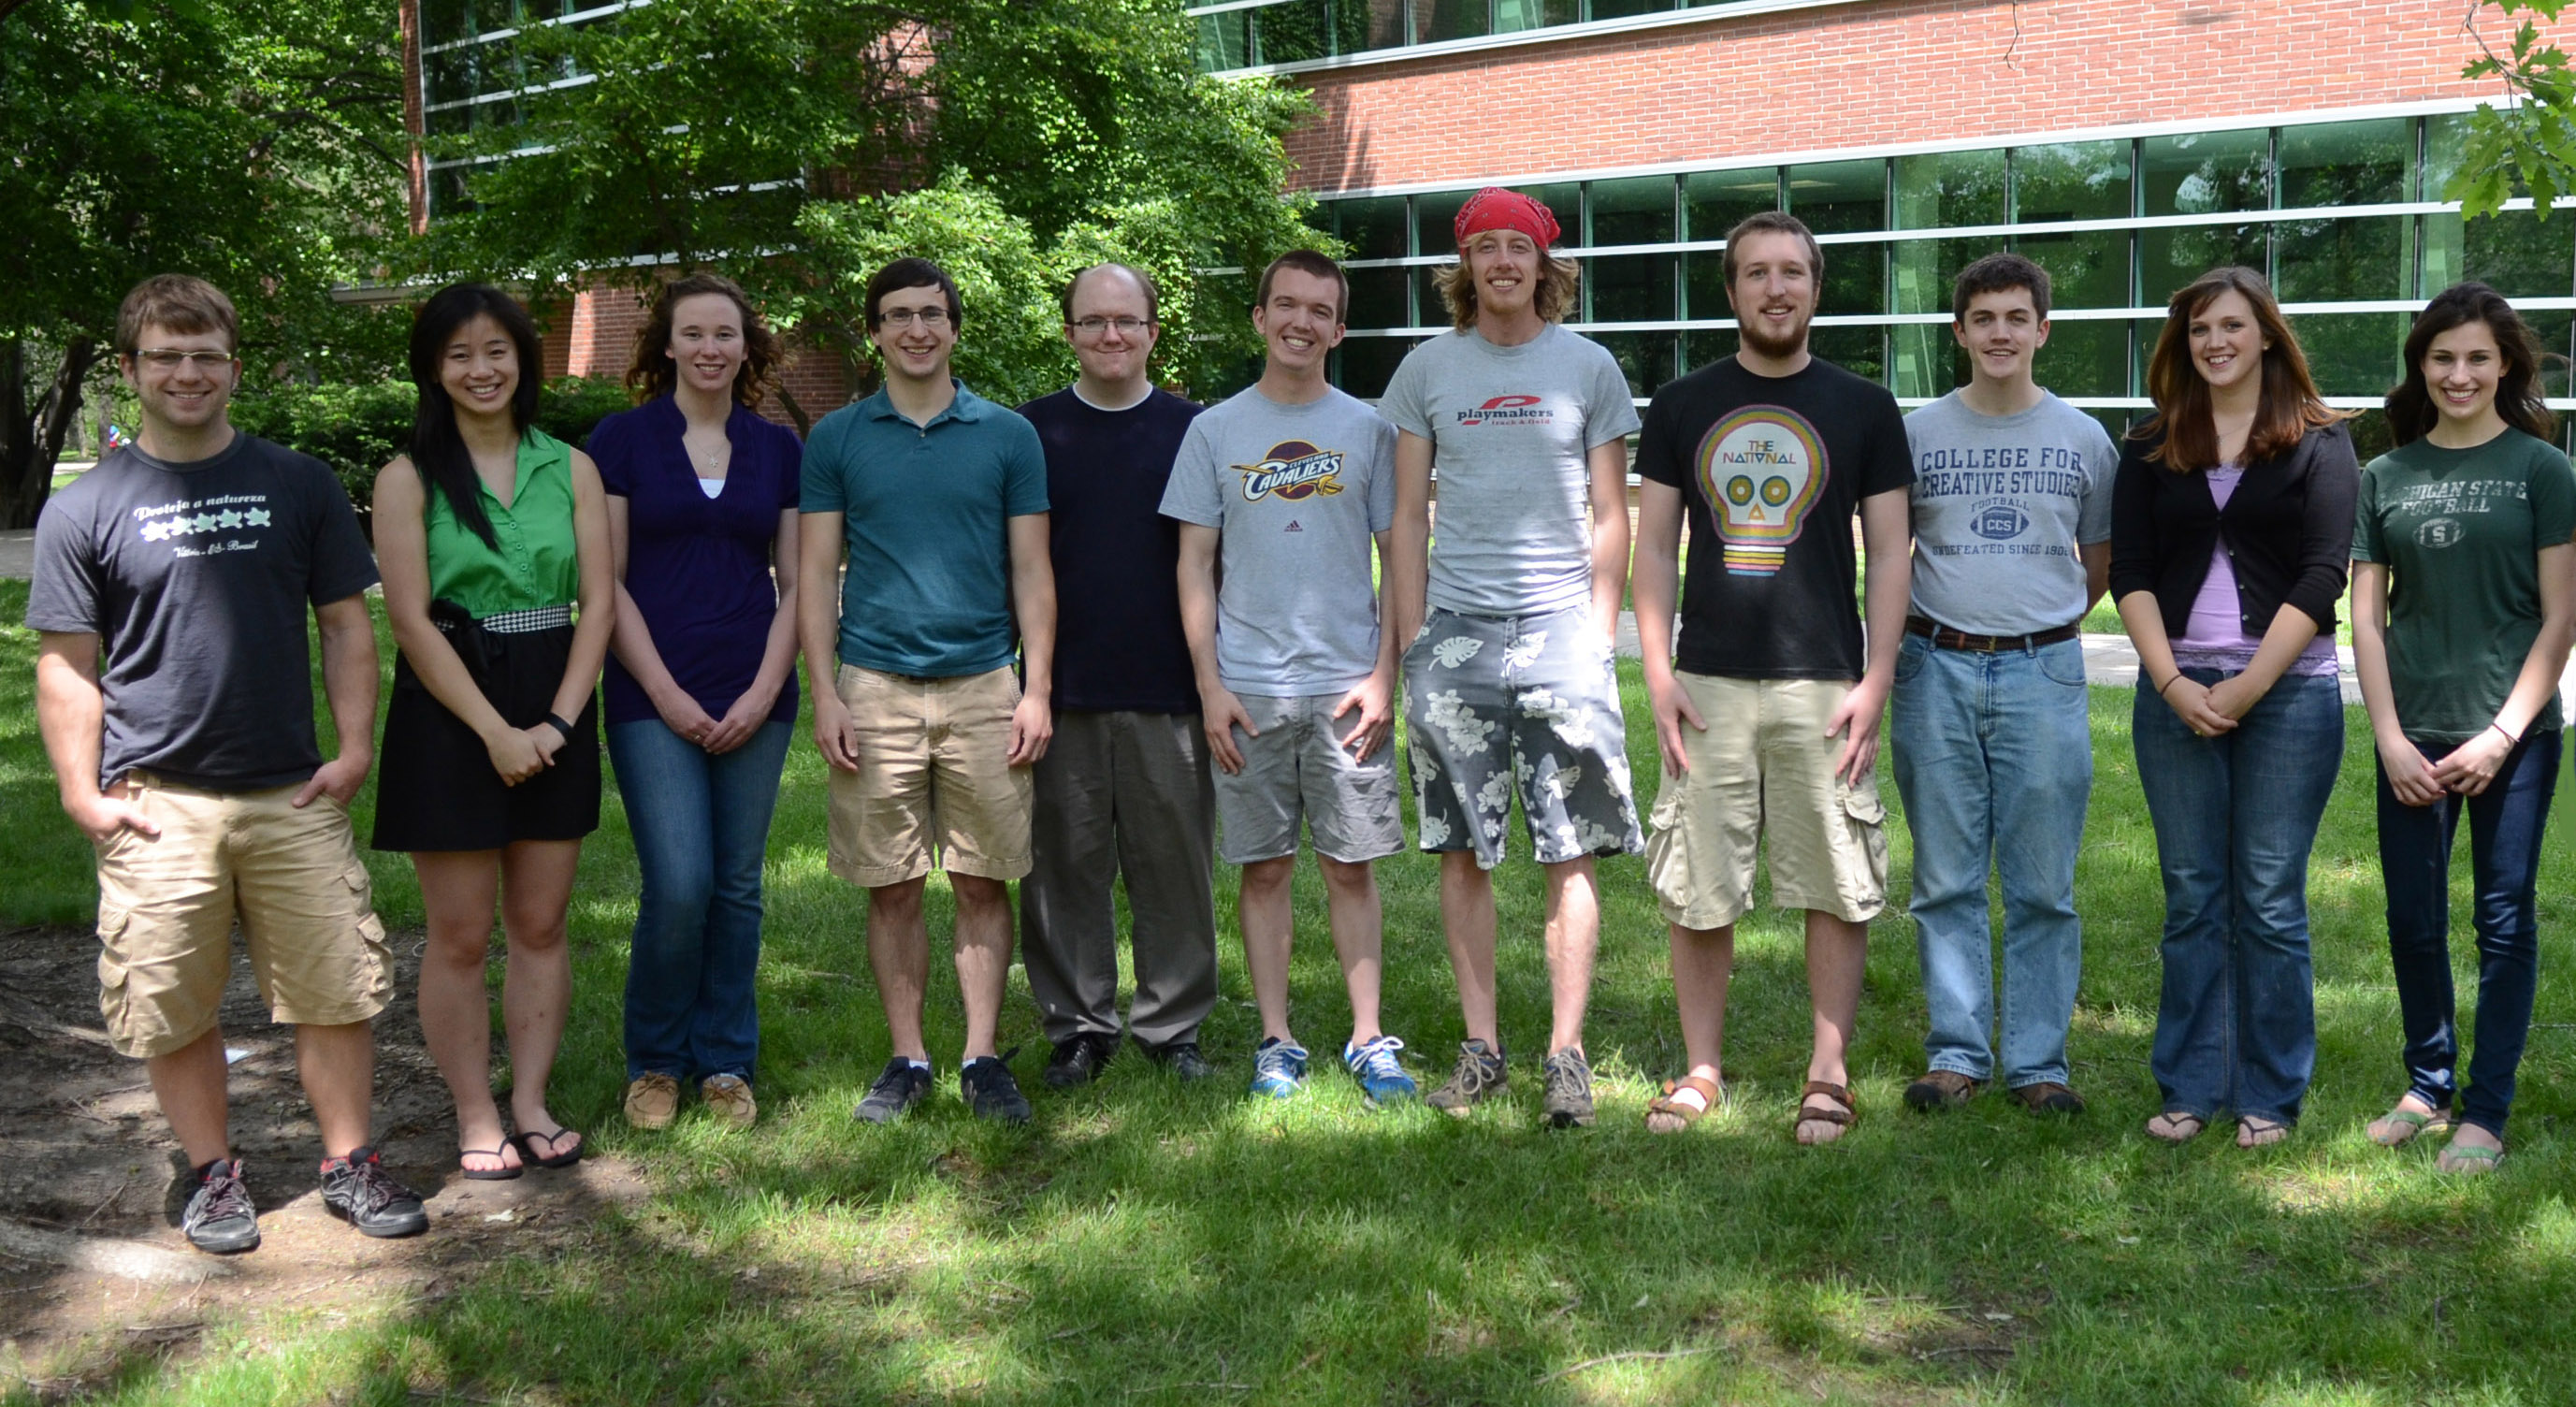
1944,638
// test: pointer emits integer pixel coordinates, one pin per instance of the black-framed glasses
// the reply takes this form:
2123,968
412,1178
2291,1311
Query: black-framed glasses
170,359
932,318
1094,326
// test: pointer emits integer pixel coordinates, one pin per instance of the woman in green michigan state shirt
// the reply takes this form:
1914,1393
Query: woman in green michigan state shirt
2464,588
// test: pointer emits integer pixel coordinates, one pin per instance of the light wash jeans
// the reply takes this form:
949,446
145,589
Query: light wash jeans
1993,754
701,827
2236,816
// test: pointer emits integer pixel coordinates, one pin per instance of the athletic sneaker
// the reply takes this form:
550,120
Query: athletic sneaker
1569,1089
1278,1068
991,1091
1479,1073
1374,1066
899,1086
359,1189
220,1219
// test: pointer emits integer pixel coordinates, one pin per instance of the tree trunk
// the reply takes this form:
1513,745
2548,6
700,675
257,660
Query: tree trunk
31,439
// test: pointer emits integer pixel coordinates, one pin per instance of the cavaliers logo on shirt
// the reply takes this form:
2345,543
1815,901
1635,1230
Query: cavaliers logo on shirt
1761,471
1293,469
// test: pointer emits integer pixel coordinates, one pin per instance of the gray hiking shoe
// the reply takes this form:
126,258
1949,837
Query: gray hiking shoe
1569,1089
1479,1073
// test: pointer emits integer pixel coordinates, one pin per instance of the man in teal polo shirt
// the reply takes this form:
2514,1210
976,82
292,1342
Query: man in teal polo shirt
938,497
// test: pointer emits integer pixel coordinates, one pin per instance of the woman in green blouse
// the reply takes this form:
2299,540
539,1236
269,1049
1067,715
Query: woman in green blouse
493,540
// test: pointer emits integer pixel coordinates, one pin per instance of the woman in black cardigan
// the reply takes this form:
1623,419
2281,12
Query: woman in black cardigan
2231,532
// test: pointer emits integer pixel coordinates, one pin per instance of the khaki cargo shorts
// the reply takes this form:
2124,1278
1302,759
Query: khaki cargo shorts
1765,769
933,783
167,904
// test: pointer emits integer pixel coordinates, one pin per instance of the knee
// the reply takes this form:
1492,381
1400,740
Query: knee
895,903
1267,878
1345,878
458,945
682,893
978,897
533,928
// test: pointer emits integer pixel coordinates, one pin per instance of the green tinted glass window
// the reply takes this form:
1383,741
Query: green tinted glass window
1704,285
2086,357
1632,212
2347,163
1564,200
2169,259
1630,288
1923,269
2086,270
1290,33
1363,365
1379,298
2071,181
1645,358
2324,261
2520,254
2201,173
1712,201
1435,222
1855,279
1435,20
1948,189
1836,197
1374,228
1225,40
445,21
2352,354
1862,351
1513,16
1927,358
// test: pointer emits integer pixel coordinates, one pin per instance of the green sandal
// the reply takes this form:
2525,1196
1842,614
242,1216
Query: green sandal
2409,1126
2462,1160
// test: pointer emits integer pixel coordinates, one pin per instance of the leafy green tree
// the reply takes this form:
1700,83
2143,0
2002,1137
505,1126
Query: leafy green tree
2529,142
259,147
799,144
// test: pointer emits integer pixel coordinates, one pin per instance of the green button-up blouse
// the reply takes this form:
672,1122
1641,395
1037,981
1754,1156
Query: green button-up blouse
536,562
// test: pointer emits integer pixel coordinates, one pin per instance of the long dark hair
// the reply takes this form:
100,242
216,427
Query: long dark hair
437,449
2411,412
653,374
2290,407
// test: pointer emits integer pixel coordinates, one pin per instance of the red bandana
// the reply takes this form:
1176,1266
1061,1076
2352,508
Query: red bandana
1494,208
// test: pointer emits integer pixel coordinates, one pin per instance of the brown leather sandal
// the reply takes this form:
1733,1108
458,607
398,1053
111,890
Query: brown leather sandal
1681,1116
1841,1118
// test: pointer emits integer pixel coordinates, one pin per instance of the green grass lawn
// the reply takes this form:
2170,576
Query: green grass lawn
1144,1242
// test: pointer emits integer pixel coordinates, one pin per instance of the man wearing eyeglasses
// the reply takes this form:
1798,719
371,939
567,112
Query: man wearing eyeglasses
173,689
1124,788
938,498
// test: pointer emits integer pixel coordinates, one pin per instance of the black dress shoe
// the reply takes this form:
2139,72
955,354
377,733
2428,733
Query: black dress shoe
1078,1060
1182,1058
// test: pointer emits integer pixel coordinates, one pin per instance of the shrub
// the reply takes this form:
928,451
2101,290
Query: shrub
356,428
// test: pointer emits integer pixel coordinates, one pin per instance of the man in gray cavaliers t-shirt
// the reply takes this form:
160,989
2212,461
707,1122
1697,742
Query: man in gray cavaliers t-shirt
1508,684
1993,750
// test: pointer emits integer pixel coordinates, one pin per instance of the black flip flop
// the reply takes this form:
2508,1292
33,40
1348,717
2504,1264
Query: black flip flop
525,1143
500,1174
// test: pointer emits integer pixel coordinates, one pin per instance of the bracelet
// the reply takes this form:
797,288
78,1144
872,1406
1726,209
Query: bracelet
561,725
2508,737
2169,683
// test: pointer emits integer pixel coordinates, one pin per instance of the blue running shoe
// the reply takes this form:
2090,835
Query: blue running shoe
1278,1068
1380,1077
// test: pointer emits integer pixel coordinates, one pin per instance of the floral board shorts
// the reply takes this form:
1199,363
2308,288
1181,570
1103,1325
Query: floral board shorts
1527,706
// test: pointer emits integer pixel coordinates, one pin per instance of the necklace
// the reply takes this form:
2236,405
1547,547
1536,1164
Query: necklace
711,459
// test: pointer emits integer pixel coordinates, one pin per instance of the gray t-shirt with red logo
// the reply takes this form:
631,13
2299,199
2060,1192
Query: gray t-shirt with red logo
1296,493
1510,429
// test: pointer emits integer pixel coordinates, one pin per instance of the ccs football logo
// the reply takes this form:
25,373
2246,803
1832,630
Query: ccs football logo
1509,410
1292,470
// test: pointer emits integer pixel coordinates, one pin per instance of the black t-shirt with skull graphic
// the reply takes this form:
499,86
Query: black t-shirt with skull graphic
1772,470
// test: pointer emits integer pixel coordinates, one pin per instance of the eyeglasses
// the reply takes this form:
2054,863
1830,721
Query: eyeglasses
1127,327
932,318
165,359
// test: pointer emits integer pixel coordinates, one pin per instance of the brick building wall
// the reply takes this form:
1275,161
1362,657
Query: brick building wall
596,335
1871,74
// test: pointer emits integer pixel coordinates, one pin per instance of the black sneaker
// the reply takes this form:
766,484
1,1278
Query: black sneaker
1569,1089
1183,1059
359,1189
1079,1059
220,1219
991,1091
1480,1072
899,1086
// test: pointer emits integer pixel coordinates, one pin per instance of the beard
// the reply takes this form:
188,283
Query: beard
1762,344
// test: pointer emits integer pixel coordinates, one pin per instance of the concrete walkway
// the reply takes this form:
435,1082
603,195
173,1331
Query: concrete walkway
17,554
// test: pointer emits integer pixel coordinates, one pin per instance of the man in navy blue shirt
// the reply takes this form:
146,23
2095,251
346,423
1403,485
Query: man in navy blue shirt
1124,786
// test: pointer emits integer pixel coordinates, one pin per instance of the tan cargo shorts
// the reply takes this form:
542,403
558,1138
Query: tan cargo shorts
933,780
1765,769
167,904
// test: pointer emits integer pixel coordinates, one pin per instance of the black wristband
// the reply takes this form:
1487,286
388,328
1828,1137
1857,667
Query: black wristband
2508,737
2169,683
561,725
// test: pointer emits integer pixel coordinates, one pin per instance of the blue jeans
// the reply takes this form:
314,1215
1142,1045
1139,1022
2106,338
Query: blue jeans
1994,757
2235,817
701,826
2505,825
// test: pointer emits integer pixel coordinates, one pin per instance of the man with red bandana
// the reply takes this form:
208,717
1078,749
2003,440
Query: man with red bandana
1508,685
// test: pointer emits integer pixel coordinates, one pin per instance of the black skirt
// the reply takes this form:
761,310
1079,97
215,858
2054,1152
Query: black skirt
435,787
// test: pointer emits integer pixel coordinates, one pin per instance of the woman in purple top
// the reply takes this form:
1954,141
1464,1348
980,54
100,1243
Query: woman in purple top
2231,530
701,686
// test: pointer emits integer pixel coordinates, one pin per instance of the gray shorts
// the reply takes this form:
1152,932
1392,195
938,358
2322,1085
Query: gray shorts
1297,769
1526,706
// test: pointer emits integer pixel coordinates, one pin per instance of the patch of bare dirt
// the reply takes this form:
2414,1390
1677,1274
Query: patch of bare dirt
93,1269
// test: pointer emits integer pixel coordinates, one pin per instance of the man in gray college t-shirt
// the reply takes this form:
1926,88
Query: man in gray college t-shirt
1993,748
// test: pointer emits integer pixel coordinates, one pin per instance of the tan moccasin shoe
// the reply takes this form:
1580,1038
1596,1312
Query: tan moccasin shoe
652,1100
729,1098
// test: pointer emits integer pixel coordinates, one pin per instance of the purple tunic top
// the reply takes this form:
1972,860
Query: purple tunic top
697,568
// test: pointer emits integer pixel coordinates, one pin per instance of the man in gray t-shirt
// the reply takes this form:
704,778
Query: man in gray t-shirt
1508,683
1993,748
1293,482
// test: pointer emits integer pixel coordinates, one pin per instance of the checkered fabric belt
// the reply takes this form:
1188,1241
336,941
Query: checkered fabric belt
520,622
1944,638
